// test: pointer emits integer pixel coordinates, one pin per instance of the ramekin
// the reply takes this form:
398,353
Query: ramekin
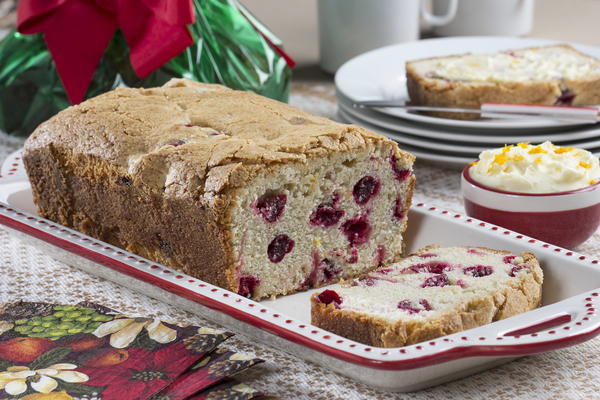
565,219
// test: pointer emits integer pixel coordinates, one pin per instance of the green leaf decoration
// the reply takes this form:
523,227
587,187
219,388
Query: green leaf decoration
54,356
143,341
79,388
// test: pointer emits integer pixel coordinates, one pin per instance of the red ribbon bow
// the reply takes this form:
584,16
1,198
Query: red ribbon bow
77,32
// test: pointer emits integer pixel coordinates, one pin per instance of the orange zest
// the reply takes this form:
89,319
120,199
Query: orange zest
561,150
537,150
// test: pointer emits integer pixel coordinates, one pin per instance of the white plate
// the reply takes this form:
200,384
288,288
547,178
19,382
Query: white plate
422,153
585,137
568,315
439,147
380,75
446,148
452,155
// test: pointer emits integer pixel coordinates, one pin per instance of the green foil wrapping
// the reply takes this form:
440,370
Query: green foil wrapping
228,48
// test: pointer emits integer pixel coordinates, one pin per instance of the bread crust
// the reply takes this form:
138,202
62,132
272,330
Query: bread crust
524,295
112,167
446,93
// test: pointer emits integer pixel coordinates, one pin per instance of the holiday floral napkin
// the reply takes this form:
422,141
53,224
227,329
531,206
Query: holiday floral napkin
86,351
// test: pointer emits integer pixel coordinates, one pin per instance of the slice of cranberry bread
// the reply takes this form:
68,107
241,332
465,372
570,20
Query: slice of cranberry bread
435,292
550,75
233,188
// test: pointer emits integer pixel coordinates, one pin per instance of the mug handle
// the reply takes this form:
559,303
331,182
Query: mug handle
438,20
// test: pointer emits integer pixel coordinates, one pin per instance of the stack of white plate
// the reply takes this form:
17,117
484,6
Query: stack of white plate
380,75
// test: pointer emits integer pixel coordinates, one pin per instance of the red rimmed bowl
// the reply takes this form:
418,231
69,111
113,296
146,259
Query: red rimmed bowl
566,219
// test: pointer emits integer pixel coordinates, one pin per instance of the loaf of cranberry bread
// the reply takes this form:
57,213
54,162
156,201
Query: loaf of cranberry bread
550,75
435,292
233,188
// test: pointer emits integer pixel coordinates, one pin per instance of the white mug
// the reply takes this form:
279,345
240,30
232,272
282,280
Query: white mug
348,28
487,17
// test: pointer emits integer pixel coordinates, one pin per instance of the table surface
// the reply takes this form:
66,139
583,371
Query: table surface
573,373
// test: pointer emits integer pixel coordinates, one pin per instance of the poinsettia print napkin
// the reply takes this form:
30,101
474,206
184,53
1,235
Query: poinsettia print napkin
228,389
87,351
212,369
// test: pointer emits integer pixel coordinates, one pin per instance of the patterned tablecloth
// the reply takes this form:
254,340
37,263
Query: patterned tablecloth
573,373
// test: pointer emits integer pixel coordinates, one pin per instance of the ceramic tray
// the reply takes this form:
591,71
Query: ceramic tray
567,317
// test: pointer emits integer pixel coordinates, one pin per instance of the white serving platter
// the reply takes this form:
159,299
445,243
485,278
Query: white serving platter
380,75
568,315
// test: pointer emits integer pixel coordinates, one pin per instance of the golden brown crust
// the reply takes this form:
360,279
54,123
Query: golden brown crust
444,93
133,166
123,214
230,135
524,295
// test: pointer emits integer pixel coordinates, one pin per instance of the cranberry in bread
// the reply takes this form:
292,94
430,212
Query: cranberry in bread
435,292
238,190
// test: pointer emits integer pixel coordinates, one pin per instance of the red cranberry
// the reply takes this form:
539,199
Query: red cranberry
408,306
438,267
478,271
270,207
509,259
311,278
427,255
400,173
356,230
364,189
398,208
384,271
436,280
327,214
379,255
279,247
476,251
177,142
432,267
565,99
335,200
515,269
353,259
461,283
247,286
425,304
367,281
329,297
323,271
330,271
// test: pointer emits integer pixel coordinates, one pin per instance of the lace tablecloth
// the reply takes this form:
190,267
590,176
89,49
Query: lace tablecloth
572,373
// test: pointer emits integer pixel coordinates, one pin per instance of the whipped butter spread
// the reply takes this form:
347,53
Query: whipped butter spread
528,168
549,63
